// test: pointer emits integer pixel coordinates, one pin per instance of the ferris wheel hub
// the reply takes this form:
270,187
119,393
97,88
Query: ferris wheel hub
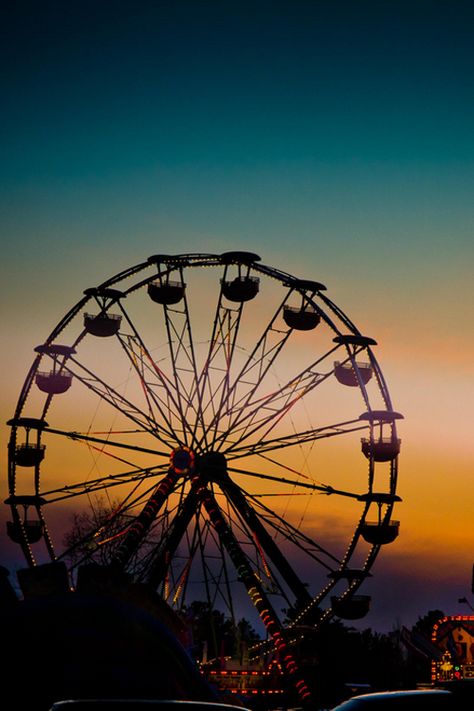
182,460
213,466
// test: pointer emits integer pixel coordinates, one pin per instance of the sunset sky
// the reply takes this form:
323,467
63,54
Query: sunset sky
334,139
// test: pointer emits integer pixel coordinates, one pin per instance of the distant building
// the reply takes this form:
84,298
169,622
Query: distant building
453,637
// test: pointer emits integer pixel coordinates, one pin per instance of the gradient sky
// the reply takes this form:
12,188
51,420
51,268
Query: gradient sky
335,139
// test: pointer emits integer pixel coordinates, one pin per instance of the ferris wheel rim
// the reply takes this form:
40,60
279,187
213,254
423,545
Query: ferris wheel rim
308,290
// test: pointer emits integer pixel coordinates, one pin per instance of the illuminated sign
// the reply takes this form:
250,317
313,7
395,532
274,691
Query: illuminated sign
454,638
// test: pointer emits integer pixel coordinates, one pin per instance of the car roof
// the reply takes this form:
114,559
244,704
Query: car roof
416,699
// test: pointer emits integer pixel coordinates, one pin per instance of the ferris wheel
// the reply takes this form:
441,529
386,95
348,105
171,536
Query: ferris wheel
220,430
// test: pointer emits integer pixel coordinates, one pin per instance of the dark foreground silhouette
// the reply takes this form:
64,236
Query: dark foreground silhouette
86,646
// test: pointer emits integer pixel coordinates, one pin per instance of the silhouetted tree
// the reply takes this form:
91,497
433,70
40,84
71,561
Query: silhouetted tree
418,647
83,541
337,656
424,625
214,634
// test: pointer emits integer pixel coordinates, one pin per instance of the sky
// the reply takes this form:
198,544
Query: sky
334,139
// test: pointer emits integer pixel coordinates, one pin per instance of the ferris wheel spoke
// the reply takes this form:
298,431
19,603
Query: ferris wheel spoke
238,391
297,438
121,404
175,389
213,381
185,371
212,579
169,406
257,364
156,393
142,523
203,386
277,404
216,379
294,535
268,347
227,598
228,335
176,569
236,496
323,488
265,354
268,412
172,538
91,486
80,436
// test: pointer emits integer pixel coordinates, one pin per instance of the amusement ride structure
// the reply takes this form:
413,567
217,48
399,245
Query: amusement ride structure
227,433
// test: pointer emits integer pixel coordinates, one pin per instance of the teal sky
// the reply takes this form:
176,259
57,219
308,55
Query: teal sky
346,126
335,139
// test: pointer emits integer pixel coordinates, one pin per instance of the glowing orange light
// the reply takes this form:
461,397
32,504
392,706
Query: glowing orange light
182,460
